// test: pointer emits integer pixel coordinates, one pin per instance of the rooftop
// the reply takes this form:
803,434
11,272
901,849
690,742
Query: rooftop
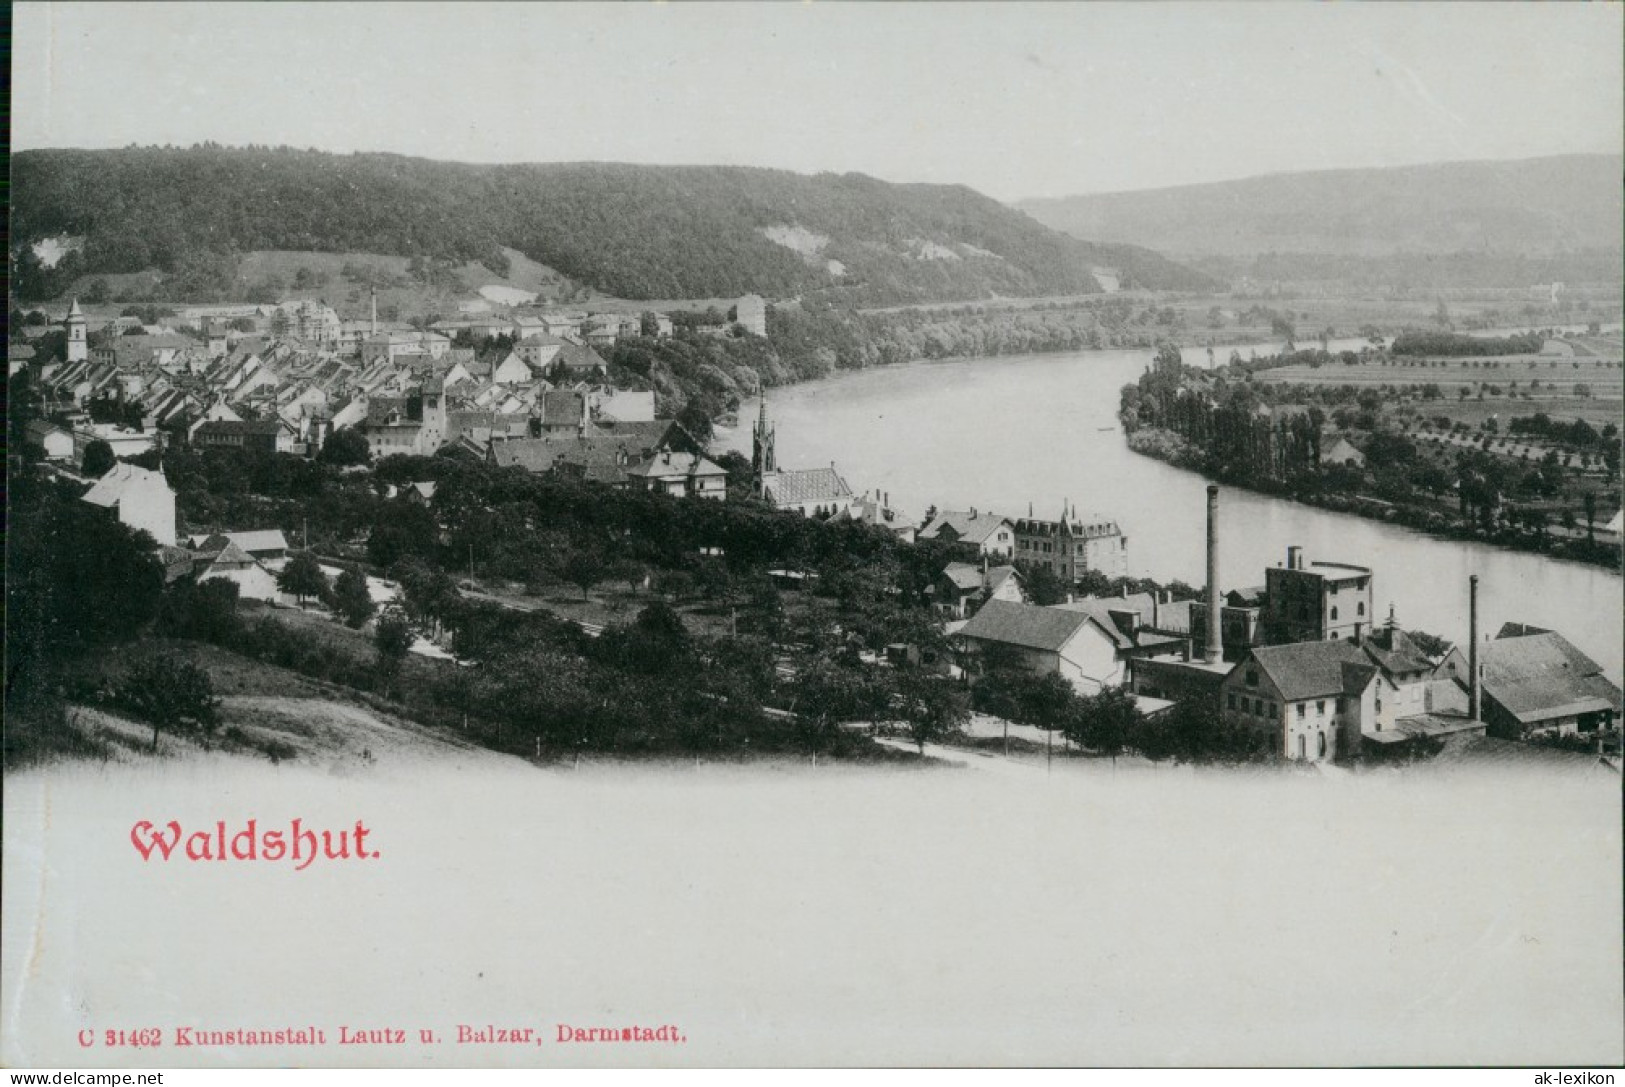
1025,625
1314,669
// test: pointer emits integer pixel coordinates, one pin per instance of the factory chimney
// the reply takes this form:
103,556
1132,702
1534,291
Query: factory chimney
1215,642
1475,693
374,311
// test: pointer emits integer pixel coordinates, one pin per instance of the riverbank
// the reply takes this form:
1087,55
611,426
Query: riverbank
1171,448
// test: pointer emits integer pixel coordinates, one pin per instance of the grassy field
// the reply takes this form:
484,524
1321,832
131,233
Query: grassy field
1474,412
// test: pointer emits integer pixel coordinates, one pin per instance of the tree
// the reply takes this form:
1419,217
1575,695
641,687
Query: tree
1048,702
303,577
170,692
205,612
932,706
351,599
695,419
99,459
826,693
1044,586
1106,721
393,639
583,569
401,529
344,447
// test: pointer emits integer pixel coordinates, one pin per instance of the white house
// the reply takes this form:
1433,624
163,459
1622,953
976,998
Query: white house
232,563
1044,640
139,497
57,443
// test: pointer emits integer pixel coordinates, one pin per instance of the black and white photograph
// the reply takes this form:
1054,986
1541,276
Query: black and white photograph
807,535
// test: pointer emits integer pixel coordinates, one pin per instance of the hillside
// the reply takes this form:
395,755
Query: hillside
632,231
1367,220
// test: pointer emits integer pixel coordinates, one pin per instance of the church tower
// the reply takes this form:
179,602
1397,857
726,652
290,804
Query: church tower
78,346
763,461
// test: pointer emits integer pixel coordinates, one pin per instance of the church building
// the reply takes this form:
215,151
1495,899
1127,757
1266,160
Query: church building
813,492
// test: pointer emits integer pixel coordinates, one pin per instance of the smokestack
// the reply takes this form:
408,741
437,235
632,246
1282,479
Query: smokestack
1215,642
1474,691
375,311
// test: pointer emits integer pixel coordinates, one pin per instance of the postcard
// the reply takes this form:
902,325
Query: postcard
817,535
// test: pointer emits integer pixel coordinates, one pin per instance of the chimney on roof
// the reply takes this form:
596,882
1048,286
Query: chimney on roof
1474,687
1294,558
973,513
1214,651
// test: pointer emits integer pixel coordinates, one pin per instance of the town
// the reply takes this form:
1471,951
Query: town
974,628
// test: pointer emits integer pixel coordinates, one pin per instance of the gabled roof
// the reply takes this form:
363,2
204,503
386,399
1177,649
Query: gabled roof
109,490
970,528
563,408
805,485
1395,653
1493,753
243,427
667,465
998,575
1175,617
1535,677
229,557
598,457
380,408
262,539
1313,669
1025,625
577,356
38,429
963,576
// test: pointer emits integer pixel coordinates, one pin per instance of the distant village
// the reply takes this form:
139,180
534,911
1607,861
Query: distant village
1309,655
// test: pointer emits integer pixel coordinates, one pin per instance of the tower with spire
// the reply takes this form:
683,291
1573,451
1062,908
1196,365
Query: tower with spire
763,460
78,346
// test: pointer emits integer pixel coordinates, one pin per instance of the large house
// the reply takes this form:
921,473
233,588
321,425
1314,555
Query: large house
268,436
686,475
1317,602
57,442
606,451
1535,682
963,587
1313,698
1071,644
139,497
973,533
1072,545
1132,624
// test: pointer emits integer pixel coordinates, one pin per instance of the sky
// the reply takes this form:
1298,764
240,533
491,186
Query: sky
1015,100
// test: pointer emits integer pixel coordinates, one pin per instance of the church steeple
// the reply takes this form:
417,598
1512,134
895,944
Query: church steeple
78,345
763,459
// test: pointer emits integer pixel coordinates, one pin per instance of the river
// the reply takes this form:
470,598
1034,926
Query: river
1009,434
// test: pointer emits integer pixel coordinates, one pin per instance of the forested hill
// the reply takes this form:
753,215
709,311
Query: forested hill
633,231
1541,206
